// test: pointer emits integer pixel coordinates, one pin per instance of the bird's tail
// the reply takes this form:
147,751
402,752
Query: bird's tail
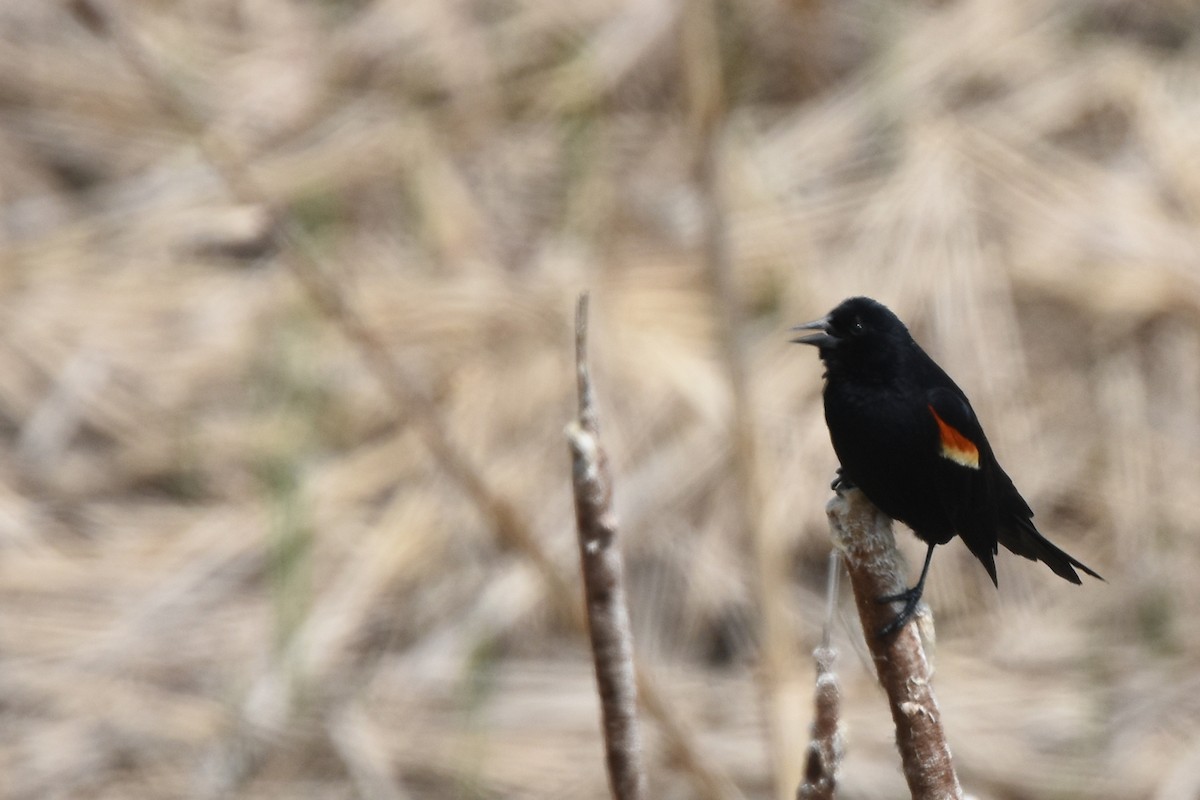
1023,538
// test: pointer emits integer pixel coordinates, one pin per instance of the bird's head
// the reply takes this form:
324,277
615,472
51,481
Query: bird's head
861,337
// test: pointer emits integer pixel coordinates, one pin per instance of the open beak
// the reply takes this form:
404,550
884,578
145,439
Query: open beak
821,339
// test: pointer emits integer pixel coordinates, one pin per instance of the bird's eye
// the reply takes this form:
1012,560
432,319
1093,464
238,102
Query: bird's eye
856,327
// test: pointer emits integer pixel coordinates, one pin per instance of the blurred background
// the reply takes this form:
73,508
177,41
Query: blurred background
285,360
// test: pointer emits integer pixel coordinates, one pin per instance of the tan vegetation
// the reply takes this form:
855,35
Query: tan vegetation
232,565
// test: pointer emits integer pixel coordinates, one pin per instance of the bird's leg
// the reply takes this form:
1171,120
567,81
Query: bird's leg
841,483
911,598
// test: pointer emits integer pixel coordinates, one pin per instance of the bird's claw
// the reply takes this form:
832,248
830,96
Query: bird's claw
908,595
841,483
911,598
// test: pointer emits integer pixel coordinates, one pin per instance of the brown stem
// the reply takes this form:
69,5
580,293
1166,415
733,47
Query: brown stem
876,569
600,558
824,756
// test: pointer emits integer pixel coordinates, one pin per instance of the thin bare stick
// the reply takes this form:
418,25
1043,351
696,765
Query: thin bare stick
604,589
876,569
824,756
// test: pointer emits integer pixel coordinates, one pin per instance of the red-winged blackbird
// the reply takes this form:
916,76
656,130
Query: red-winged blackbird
906,435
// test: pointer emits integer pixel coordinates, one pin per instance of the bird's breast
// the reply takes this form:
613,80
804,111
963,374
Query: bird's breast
883,442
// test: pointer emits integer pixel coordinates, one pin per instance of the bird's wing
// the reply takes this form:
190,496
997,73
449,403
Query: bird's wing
960,438
965,473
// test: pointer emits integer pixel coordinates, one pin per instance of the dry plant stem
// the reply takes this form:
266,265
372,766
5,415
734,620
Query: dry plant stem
824,756
604,590
508,526
864,535
706,105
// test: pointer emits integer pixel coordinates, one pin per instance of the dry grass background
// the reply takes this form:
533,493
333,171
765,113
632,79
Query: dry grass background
231,566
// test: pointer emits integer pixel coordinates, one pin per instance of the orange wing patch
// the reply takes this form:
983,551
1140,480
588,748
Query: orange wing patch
955,446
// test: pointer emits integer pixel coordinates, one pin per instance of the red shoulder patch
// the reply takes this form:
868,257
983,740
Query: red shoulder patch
955,446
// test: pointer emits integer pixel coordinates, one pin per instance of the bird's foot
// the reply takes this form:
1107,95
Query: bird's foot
841,483
911,598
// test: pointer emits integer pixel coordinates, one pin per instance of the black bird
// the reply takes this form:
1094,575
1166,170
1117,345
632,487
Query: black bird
906,435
